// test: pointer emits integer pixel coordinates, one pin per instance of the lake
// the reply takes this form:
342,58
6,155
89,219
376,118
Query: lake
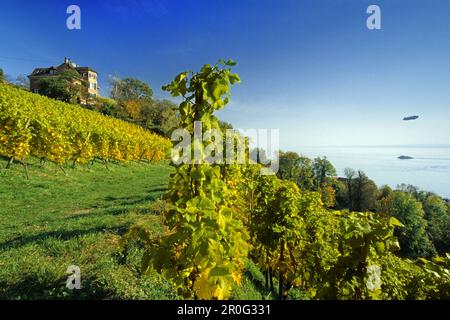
429,170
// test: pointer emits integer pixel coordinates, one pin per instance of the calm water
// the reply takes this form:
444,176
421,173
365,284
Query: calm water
429,170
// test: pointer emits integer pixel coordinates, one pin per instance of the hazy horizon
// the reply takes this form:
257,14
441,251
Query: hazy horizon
429,169
379,145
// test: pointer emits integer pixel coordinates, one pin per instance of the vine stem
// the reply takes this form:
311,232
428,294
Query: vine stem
10,162
61,167
281,276
105,161
25,165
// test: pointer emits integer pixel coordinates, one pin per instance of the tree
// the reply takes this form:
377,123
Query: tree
67,87
413,238
159,116
105,106
296,168
414,191
436,214
341,197
328,195
323,171
305,176
135,104
130,89
360,192
364,193
438,227
133,109
2,75
288,165
384,191
349,174
225,125
324,174
22,82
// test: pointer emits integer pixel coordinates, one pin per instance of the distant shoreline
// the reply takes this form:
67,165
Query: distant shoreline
429,170
383,146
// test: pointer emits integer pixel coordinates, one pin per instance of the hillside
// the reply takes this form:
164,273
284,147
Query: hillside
35,125
221,232
55,220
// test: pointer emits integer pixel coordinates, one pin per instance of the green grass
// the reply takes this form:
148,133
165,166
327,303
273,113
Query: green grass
53,220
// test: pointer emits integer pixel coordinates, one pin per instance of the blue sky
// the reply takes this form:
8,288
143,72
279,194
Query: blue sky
310,68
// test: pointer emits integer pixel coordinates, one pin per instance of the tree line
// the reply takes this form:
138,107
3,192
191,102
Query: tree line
426,216
130,99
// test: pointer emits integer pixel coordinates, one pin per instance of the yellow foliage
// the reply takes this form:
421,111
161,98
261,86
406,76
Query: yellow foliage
202,288
35,125
133,108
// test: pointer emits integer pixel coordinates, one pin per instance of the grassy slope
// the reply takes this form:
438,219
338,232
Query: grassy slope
55,220
52,221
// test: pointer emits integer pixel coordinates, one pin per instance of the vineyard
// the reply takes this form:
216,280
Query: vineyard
219,220
219,216
33,125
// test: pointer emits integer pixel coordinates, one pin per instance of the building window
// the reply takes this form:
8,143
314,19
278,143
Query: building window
36,90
